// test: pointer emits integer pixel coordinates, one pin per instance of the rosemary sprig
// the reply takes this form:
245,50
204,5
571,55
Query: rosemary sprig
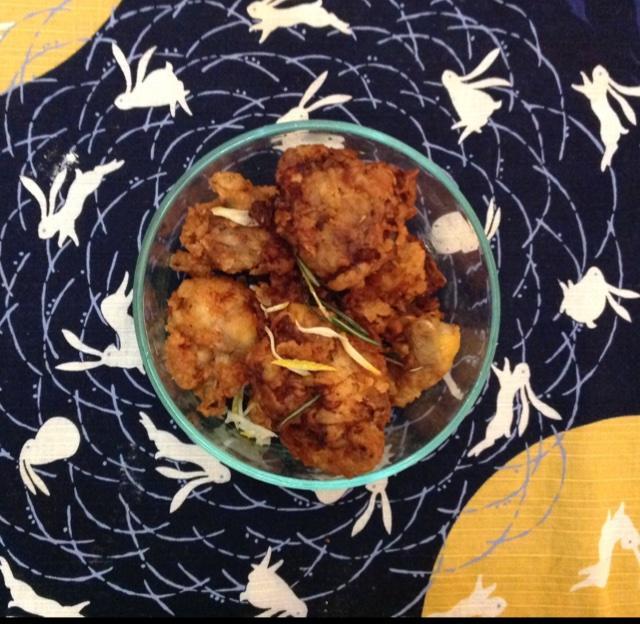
340,324
312,281
339,318
307,272
347,319
299,411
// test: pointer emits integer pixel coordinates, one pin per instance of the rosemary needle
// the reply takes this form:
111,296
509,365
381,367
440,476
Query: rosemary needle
340,320
299,410
393,360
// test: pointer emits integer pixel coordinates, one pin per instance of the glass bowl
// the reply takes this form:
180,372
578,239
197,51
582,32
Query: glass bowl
470,299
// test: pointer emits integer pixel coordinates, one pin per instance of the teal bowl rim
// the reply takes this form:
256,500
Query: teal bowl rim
138,293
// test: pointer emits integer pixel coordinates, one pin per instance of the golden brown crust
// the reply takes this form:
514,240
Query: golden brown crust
389,291
341,215
346,219
214,243
343,432
427,347
212,325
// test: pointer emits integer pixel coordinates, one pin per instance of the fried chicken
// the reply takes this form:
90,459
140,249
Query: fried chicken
212,325
346,219
341,215
343,432
427,347
216,243
410,275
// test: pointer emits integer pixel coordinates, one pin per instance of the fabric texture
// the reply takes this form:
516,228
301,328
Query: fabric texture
531,508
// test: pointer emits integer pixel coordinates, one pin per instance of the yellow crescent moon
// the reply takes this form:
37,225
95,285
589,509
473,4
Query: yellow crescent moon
540,520
38,35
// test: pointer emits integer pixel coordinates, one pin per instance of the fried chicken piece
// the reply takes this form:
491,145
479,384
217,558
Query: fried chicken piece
343,432
212,325
281,289
427,346
390,291
405,284
215,243
341,215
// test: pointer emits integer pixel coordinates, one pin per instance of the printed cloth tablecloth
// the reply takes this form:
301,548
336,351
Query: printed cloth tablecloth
532,508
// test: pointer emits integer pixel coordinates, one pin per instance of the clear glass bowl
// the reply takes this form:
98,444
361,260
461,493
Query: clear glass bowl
470,299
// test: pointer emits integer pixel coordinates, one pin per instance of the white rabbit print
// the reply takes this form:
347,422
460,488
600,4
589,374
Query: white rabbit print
172,449
63,221
25,598
301,112
330,497
270,15
597,91
512,383
159,88
480,603
125,353
473,106
377,489
617,530
57,439
452,233
266,590
585,301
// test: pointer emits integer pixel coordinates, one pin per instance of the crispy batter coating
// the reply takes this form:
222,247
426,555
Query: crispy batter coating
341,215
427,347
212,325
343,432
409,274
281,289
215,243
346,219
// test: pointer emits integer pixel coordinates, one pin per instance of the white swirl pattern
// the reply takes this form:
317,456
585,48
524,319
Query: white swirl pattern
105,533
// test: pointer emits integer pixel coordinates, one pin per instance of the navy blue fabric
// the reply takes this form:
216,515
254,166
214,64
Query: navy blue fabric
105,534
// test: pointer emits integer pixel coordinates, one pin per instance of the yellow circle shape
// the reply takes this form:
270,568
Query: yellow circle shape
38,35
555,532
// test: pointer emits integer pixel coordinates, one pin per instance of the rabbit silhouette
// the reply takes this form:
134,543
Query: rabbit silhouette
25,598
452,233
124,354
57,439
480,603
617,529
169,447
597,91
301,112
512,383
160,88
62,221
266,590
330,497
377,489
313,14
585,301
473,106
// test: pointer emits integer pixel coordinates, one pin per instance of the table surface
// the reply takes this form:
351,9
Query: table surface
540,521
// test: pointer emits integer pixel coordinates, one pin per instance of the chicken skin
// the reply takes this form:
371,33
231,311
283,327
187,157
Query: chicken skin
212,325
342,433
